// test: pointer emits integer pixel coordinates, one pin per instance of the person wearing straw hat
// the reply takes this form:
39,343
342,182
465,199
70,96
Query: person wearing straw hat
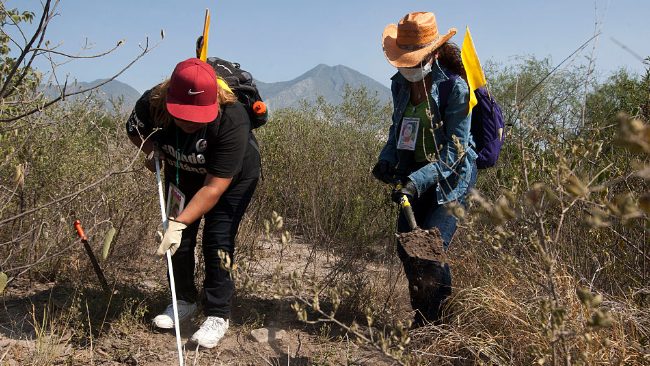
440,168
212,166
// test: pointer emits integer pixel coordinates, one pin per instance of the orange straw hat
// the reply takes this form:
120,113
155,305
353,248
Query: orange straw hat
416,36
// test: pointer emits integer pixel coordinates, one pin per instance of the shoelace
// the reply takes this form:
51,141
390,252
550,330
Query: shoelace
214,323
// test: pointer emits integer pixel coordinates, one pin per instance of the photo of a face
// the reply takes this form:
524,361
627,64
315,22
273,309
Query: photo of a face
408,134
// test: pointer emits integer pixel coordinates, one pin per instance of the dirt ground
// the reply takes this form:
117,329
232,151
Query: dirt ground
424,244
41,323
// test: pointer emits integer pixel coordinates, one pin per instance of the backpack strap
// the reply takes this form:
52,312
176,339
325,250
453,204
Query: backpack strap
444,91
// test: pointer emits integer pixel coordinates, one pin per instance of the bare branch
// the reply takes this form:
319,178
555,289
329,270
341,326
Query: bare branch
630,51
48,50
45,16
63,95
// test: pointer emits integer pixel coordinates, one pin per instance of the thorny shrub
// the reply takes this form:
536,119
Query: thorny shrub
551,265
316,173
66,164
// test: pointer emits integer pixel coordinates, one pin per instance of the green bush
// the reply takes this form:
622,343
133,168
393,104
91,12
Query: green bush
316,171
71,162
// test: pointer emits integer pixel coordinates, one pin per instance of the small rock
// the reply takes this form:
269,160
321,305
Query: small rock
264,335
4,343
149,284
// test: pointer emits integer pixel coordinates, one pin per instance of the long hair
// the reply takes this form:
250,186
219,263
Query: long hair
449,57
158,107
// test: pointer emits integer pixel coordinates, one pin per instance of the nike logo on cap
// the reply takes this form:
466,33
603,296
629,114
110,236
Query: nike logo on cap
191,92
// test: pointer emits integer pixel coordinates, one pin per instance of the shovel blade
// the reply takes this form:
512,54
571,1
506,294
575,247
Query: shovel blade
423,244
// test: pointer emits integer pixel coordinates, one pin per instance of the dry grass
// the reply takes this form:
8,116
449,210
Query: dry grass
501,319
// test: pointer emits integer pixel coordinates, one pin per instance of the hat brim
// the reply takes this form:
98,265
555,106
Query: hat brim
399,57
193,113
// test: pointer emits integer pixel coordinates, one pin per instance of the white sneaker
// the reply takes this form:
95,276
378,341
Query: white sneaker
166,319
211,331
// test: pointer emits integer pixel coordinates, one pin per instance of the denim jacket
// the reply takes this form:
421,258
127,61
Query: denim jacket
451,171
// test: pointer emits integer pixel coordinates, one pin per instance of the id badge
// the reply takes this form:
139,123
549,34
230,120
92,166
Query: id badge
408,134
175,201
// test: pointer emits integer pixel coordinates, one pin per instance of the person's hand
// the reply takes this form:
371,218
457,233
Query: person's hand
172,238
407,190
383,172
150,164
150,161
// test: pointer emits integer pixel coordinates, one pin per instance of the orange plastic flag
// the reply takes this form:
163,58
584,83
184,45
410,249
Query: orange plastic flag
475,75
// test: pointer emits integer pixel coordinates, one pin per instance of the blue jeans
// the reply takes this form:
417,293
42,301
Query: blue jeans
429,281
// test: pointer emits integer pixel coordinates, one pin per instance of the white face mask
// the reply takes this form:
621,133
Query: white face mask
415,74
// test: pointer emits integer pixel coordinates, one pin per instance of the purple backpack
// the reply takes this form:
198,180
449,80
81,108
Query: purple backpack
487,123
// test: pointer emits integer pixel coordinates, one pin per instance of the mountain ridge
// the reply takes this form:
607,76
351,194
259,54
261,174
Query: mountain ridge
321,80
108,93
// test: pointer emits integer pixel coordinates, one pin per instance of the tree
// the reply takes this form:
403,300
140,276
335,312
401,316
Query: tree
52,154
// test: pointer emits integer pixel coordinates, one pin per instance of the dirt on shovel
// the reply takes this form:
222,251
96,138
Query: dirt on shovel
423,244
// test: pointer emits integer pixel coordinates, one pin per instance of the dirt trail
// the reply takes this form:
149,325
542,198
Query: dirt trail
125,336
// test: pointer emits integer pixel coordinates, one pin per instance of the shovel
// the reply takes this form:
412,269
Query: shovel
419,243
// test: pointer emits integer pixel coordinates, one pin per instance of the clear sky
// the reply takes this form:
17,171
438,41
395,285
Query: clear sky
281,39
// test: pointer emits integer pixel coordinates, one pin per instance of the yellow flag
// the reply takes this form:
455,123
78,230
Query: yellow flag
475,75
223,85
206,30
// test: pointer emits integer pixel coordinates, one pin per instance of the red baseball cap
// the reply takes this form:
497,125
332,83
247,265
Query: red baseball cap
192,94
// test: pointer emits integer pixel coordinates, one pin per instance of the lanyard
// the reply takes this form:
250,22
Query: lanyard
177,161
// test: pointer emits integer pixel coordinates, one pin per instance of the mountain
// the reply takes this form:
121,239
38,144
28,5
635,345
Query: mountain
322,80
107,93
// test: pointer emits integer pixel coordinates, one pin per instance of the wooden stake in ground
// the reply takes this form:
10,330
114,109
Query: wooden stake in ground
91,255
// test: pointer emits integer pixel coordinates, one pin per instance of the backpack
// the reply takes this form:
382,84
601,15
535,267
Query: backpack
487,126
243,86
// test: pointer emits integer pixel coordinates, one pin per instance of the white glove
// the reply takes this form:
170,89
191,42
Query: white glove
172,238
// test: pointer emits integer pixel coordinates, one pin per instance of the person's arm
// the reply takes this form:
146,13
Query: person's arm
146,148
224,160
204,199
139,128
456,126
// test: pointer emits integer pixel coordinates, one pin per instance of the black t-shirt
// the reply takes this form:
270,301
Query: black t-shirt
225,147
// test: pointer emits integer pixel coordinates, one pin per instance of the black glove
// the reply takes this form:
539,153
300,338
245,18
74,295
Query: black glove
407,190
384,172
